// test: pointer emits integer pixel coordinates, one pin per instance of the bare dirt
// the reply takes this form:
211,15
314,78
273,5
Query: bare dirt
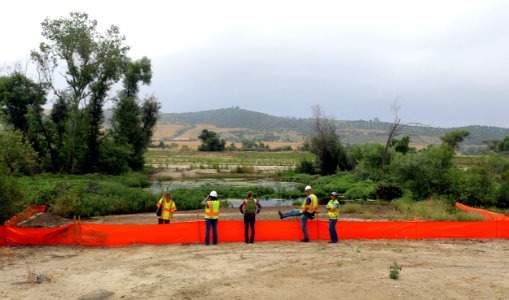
351,269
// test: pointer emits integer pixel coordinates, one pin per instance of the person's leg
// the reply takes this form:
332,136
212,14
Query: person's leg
303,220
160,221
246,227
252,219
214,231
166,221
332,230
207,231
335,234
291,213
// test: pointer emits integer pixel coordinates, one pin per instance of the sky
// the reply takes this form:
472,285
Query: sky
445,63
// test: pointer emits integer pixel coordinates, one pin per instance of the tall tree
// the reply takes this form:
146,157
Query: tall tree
89,62
211,141
134,120
325,144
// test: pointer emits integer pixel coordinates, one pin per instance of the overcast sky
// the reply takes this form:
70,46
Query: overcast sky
447,62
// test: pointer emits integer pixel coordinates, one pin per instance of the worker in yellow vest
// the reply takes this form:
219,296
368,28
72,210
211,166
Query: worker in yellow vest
165,208
211,217
333,213
307,211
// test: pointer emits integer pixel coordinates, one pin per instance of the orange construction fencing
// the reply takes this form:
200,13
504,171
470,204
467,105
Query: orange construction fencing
86,234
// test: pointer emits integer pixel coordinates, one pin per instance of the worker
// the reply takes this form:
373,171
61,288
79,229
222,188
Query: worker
333,212
165,208
212,205
307,211
250,208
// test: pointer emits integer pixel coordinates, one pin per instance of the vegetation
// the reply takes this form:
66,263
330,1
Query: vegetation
210,141
72,138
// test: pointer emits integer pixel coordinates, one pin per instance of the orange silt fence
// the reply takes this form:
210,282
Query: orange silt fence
86,234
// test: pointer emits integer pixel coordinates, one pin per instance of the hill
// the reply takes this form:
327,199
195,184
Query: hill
235,124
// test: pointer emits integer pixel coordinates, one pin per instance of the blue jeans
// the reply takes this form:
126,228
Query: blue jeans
303,219
249,221
208,224
332,230
291,213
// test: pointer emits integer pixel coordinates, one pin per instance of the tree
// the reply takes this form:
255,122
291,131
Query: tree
453,138
325,144
90,63
10,194
16,155
394,131
210,141
134,122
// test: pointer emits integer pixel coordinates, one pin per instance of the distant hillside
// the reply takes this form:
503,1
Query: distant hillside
240,123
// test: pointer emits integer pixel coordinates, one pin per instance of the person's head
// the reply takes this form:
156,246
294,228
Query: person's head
249,195
213,195
334,195
167,196
308,190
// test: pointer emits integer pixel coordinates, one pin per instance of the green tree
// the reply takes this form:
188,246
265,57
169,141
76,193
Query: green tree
454,138
16,155
90,63
210,141
424,173
325,144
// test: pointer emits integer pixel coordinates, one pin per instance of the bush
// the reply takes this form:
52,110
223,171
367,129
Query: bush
10,197
387,191
306,167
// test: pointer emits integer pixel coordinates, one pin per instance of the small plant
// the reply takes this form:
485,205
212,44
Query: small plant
394,271
339,264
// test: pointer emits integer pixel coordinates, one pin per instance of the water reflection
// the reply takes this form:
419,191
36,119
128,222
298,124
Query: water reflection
160,186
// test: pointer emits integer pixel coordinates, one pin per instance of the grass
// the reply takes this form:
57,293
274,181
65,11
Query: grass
430,210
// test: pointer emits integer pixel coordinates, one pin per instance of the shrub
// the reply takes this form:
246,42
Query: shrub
387,191
10,197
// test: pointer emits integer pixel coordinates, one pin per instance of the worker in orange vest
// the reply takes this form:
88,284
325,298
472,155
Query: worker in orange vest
211,217
165,208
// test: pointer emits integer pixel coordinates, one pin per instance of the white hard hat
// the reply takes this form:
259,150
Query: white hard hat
213,194
307,188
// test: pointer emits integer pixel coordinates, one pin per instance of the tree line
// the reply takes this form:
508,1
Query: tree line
78,68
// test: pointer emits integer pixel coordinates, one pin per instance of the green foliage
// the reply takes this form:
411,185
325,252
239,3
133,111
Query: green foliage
394,271
16,155
431,210
472,187
10,196
423,173
368,157
453,138
306,167
210,141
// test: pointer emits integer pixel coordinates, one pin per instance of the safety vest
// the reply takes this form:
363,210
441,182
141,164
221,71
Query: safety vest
212,210
334,212
249,206
168,209
312,208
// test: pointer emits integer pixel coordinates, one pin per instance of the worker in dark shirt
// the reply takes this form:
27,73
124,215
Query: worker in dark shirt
250,208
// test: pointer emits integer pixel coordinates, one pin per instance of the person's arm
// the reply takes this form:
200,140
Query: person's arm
159,202
173,207
258,206
241,207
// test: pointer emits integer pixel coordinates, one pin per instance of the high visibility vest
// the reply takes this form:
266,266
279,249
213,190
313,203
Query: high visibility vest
334,212
168,209
312,208
212,210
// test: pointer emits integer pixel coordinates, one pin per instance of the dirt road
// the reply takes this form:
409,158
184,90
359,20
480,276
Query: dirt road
431,269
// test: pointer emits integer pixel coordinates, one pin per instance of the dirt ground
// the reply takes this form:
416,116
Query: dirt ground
376,213
351,269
